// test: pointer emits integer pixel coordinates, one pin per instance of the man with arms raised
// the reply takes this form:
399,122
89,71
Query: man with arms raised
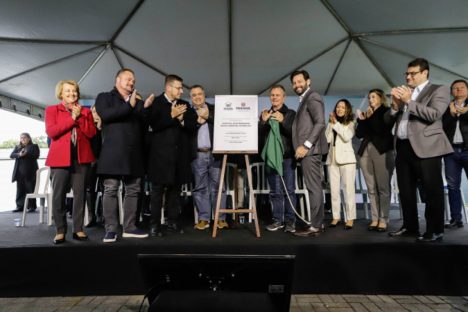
420,143
173,122
206,167
121,152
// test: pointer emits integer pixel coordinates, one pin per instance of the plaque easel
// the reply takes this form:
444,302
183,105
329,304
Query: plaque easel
219,210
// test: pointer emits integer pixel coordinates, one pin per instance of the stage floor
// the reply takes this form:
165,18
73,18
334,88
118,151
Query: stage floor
355,261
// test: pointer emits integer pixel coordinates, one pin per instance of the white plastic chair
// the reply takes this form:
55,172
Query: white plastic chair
41,190
260,184
359,189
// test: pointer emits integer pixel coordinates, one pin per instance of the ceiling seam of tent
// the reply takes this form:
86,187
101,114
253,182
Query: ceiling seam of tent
125,22
49,63
411,31
93,64
338,18
310,60
346,28
142,61
352,36
51,41
391,49
337,67
159,71
231,72
377,66
117,57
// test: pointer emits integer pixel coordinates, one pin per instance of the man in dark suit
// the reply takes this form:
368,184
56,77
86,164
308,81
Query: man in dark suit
206,167
455,122
121,152
309,142
173,122
420,143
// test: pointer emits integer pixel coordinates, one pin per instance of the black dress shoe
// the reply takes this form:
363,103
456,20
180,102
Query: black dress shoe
372,227
173,227
454,224
80,238
403,232
17,210
430,238
155,231
31,209
309,231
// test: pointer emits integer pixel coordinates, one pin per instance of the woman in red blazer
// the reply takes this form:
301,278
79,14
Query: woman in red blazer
70,128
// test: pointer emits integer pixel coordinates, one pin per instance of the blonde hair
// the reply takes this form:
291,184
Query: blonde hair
382,96
59,88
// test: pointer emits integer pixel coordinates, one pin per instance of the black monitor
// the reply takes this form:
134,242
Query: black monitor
199,282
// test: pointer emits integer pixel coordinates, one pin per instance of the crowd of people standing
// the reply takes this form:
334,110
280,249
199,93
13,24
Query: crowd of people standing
168,141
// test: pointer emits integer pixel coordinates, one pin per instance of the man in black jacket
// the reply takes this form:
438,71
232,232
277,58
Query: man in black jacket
206,167
455,121
283,212
121,152
173,122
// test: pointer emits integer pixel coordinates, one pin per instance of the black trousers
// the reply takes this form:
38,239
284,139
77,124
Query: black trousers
410,170
25,186
171,196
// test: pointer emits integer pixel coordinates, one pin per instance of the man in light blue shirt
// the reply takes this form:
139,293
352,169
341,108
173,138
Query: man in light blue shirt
206,167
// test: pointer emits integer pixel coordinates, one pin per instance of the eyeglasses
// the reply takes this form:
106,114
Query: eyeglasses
412,74
178,88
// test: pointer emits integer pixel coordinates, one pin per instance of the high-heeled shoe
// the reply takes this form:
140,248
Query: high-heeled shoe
334,223
382,227
59,238
81,237
349,225
372,226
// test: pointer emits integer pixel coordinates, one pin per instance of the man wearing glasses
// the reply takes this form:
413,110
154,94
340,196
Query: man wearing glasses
420,143
173,122
455,122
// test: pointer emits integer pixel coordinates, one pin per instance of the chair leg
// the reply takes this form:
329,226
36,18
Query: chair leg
41,211
26,200
86,214
49,210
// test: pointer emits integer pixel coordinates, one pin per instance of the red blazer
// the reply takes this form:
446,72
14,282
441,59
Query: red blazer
59,123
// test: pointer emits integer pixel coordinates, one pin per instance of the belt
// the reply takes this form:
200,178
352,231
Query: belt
204,150
458,145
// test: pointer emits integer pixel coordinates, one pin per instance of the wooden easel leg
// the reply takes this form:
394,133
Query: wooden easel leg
252,198
220,193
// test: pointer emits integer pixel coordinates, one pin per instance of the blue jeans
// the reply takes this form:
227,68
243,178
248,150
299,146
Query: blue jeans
282,210
207,172
454,164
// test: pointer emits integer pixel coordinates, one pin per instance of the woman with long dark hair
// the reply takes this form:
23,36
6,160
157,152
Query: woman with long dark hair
25,155
341,162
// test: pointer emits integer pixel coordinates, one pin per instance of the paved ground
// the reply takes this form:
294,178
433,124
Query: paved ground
299,303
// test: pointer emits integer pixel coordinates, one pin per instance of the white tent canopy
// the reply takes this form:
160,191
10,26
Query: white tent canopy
230,47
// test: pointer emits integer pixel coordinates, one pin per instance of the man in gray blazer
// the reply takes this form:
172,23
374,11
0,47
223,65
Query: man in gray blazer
309,142
420,143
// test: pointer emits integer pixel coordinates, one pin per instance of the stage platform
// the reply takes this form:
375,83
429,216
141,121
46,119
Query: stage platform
336,262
